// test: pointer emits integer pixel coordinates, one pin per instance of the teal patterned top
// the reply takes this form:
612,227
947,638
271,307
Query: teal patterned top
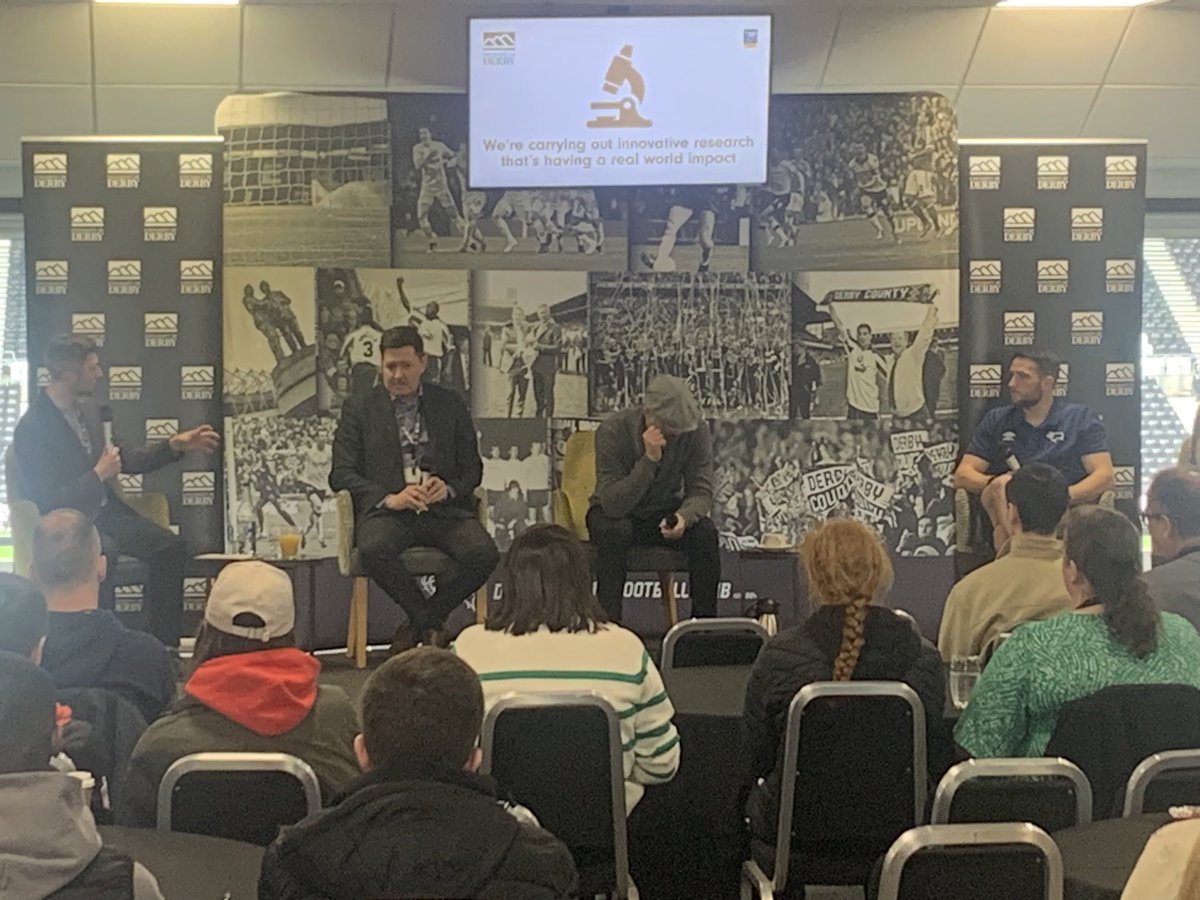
1045,665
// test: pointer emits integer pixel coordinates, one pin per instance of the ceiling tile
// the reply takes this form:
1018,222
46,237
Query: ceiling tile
316,46
158,110
164,45
1153,113
1046,46
1022,112
45,44
878,47
800,46
36,111
1162,47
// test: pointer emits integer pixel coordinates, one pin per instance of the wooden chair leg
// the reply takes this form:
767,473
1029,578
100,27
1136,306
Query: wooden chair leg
352,624
481,605
666,581
358,619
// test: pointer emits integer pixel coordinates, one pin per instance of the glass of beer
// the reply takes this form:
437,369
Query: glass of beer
289,544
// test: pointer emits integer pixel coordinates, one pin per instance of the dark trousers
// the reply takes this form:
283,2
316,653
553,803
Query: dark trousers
614,538
543,391
124,532
383,535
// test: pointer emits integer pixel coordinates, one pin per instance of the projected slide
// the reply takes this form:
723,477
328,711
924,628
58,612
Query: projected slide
619,101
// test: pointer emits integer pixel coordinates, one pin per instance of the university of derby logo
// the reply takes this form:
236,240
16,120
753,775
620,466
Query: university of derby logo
196,382
1087,223
123,171
124,276
87,223
131,485
195,594
1063,381
983,173
1019,328
1124,483
1019,223
1052,276
984,381
1087,327
1120,173
984,276
1053,173
128,598
159,223
50,276
1119,275
124,382
161,429
199,488
195,276
89,325
195,170
161,329
1118,379
43,376
499,48
49,170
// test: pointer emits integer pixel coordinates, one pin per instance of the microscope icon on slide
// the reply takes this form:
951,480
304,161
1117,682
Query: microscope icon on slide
620,72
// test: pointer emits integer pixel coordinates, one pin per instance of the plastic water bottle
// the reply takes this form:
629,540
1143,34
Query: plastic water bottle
768,616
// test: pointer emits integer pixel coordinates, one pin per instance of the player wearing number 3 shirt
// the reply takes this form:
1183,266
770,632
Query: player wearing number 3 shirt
360,349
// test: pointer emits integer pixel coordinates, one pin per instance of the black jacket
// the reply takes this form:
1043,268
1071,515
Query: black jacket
892,651
395,834
55,472
367,459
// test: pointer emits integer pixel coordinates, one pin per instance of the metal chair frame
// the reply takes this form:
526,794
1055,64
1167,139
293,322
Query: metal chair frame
729,625
1150,768
973,769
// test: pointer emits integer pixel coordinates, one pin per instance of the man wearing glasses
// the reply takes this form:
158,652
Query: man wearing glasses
1036,427
1172,517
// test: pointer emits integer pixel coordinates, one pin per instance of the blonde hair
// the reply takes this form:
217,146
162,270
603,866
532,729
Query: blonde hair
846,566
1190,885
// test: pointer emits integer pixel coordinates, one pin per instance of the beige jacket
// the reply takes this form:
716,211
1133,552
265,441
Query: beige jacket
1024,585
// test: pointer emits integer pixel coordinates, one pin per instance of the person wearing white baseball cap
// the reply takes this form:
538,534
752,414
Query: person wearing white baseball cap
251,689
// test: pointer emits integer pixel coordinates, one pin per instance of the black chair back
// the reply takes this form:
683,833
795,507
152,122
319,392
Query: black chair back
712,642
1049,793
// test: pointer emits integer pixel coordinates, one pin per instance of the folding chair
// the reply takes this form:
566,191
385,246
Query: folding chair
1160,782
712,642
1049,793
239,796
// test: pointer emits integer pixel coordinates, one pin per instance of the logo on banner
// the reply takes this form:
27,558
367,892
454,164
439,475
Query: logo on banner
195,276
50,276
984,276
89,325
983,173
750,38
195,594
1120,173
1018,223
1063,381
1119,275
1087,223
1087,327
161,329
159,223
49,170
161,429
43,376
1123,482
128,598
130,484
1118,379
1019,328
1052,276
984,381
87,223
1053,172
199,488
195,170
124,276
196,382
124,382
123,170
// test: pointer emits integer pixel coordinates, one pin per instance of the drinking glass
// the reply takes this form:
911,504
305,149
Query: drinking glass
964,672
289,544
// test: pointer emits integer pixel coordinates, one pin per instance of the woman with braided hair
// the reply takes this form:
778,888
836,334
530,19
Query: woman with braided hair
1115,635
850,636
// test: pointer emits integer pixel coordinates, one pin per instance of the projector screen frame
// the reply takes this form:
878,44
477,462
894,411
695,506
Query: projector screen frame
769,16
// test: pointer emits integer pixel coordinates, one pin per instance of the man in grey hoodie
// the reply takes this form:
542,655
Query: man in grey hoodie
49,845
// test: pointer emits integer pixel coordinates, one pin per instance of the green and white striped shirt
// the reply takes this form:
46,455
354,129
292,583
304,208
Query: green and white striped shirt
611,662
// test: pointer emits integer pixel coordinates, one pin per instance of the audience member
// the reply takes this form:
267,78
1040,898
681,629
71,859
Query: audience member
23,618
49,845
550,624
87,646
1116,635
250,690
1172,517
1169,865
420,822
1024,584
849,637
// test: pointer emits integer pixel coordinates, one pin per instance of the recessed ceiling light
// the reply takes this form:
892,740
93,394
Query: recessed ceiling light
170,2
1073,4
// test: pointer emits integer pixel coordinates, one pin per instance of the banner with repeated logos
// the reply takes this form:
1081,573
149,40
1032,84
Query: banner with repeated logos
123,245
1051,242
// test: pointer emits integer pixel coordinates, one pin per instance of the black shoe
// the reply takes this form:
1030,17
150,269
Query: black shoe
405,639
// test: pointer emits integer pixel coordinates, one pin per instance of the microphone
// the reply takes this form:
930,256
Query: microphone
1012,462
106,422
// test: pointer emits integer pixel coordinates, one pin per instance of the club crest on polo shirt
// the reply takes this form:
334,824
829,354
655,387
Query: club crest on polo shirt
49,170
1056,437
123,171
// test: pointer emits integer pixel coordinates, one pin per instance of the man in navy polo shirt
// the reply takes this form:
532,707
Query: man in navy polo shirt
1037,427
